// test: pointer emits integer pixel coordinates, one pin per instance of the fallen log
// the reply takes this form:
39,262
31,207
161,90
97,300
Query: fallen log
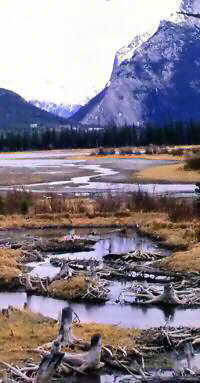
87,360
68,246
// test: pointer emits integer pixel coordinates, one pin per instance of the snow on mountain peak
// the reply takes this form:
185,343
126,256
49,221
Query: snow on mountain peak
192,6
155,79
126,52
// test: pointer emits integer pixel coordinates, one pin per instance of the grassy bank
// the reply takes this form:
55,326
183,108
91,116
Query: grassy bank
10,267
74,288
155,157
175,173
181,235
22,331
172,234
174,222
184,261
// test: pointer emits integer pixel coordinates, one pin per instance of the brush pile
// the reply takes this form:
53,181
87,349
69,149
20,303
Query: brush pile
57,359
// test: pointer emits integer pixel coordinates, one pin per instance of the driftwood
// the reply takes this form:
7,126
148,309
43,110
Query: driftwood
134,256
148,342
146,295
48,367
87,360
174,379
34,284
168,297
64,273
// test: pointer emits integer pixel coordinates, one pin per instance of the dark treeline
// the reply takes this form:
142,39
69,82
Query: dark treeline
41,138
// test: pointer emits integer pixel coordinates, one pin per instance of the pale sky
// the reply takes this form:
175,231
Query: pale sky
63,50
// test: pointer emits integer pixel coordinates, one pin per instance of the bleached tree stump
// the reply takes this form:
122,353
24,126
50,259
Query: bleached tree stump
65,336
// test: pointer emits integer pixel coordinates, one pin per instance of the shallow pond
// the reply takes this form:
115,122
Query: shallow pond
110,313
113,243
126,315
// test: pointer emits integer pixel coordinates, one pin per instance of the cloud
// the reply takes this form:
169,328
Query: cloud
62,50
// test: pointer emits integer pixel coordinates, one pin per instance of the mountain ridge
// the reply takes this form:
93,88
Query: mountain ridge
158,83
16,111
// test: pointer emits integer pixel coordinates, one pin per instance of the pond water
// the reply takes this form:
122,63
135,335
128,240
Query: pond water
125,315
110,312
114,242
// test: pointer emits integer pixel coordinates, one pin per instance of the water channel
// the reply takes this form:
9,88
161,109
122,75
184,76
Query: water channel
107,174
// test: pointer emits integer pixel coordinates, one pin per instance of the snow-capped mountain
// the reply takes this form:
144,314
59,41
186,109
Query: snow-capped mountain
61,110
154,79
126,52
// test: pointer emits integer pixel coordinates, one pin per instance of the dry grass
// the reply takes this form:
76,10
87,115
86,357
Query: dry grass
74,288
24,331
152,223
184,261
193,162
175,222
111,334
164,157
168,173
9,265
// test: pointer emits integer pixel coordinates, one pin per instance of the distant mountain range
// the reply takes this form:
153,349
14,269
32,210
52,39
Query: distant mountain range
156,79
61,110
15,111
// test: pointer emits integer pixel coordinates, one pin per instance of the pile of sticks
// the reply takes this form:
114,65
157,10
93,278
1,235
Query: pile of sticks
146,295
57,360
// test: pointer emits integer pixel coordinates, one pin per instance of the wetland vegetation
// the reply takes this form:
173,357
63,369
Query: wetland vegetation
135,251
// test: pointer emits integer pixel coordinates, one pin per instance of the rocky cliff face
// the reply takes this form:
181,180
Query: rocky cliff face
155,79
